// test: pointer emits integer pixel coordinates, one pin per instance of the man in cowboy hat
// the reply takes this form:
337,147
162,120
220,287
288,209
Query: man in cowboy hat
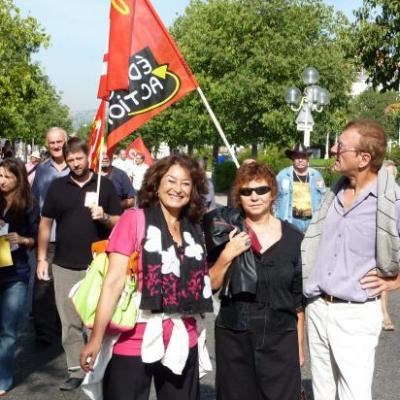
300,189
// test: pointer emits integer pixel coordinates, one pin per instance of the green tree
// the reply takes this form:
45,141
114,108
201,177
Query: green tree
244,54
373,104
29,104
377,41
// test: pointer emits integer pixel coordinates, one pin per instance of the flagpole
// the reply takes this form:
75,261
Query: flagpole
104,123
99,171
218,126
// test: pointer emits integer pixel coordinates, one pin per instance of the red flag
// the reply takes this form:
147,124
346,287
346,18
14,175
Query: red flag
114,74
158,74
138,146
96,133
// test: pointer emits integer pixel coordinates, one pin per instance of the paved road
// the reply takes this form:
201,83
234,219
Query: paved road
40,370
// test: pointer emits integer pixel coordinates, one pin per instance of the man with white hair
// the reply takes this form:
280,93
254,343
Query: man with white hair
46,320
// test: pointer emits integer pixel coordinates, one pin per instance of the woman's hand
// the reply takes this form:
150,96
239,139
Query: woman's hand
89,354
300,335
301,355
238,244
14,239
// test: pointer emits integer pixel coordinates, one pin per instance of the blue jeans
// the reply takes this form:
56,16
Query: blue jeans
12,305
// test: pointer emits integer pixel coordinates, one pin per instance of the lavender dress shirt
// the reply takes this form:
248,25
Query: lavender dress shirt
347,250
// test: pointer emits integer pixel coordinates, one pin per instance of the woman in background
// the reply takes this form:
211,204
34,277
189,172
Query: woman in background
19,219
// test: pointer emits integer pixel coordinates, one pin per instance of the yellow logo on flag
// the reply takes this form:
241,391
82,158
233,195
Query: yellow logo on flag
121,6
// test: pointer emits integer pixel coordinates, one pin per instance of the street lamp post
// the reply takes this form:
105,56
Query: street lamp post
314,98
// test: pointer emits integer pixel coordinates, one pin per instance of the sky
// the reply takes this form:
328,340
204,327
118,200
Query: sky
78,31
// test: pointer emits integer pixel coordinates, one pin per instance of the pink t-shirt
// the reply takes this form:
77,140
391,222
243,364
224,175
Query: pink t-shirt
122,241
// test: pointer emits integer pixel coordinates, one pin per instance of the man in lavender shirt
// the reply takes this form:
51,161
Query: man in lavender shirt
347,262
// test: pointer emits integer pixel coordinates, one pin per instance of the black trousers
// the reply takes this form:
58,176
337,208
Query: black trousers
128,378
45,316
256,367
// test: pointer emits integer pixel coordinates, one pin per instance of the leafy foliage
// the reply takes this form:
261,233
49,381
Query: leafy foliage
29,104
224,176
372,104
377,38
244,53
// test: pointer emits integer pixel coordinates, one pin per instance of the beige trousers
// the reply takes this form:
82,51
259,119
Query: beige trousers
73,337
342,339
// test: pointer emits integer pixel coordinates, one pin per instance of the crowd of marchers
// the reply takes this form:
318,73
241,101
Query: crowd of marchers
288,252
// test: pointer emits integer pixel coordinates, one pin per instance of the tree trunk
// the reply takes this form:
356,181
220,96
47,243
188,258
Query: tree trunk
254,151
215,150
190,149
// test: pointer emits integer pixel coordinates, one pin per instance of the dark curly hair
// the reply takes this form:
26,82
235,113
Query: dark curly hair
22,198
196,207
250,172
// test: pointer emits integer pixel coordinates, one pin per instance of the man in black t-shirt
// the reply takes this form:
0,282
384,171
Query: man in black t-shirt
71,201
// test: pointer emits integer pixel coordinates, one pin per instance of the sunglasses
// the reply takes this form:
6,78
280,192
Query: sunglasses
260,190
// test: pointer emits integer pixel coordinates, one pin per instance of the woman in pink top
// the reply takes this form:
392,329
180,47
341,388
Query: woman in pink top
174,284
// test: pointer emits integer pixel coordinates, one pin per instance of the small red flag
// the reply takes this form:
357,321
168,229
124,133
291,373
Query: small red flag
96,133
138,146
157,73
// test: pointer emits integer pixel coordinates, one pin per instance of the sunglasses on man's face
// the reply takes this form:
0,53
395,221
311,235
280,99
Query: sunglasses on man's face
260,190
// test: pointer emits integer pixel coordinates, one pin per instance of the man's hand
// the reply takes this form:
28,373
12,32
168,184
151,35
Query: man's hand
97,213
376,284
42,270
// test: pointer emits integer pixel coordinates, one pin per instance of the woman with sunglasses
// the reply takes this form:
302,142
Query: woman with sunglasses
259,330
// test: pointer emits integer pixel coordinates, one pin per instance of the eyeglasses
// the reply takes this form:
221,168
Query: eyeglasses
260,190
341,148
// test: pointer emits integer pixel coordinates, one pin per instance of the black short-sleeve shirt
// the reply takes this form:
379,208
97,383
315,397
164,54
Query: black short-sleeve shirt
76,231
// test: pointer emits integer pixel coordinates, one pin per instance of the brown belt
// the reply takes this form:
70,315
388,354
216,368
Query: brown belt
332,299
